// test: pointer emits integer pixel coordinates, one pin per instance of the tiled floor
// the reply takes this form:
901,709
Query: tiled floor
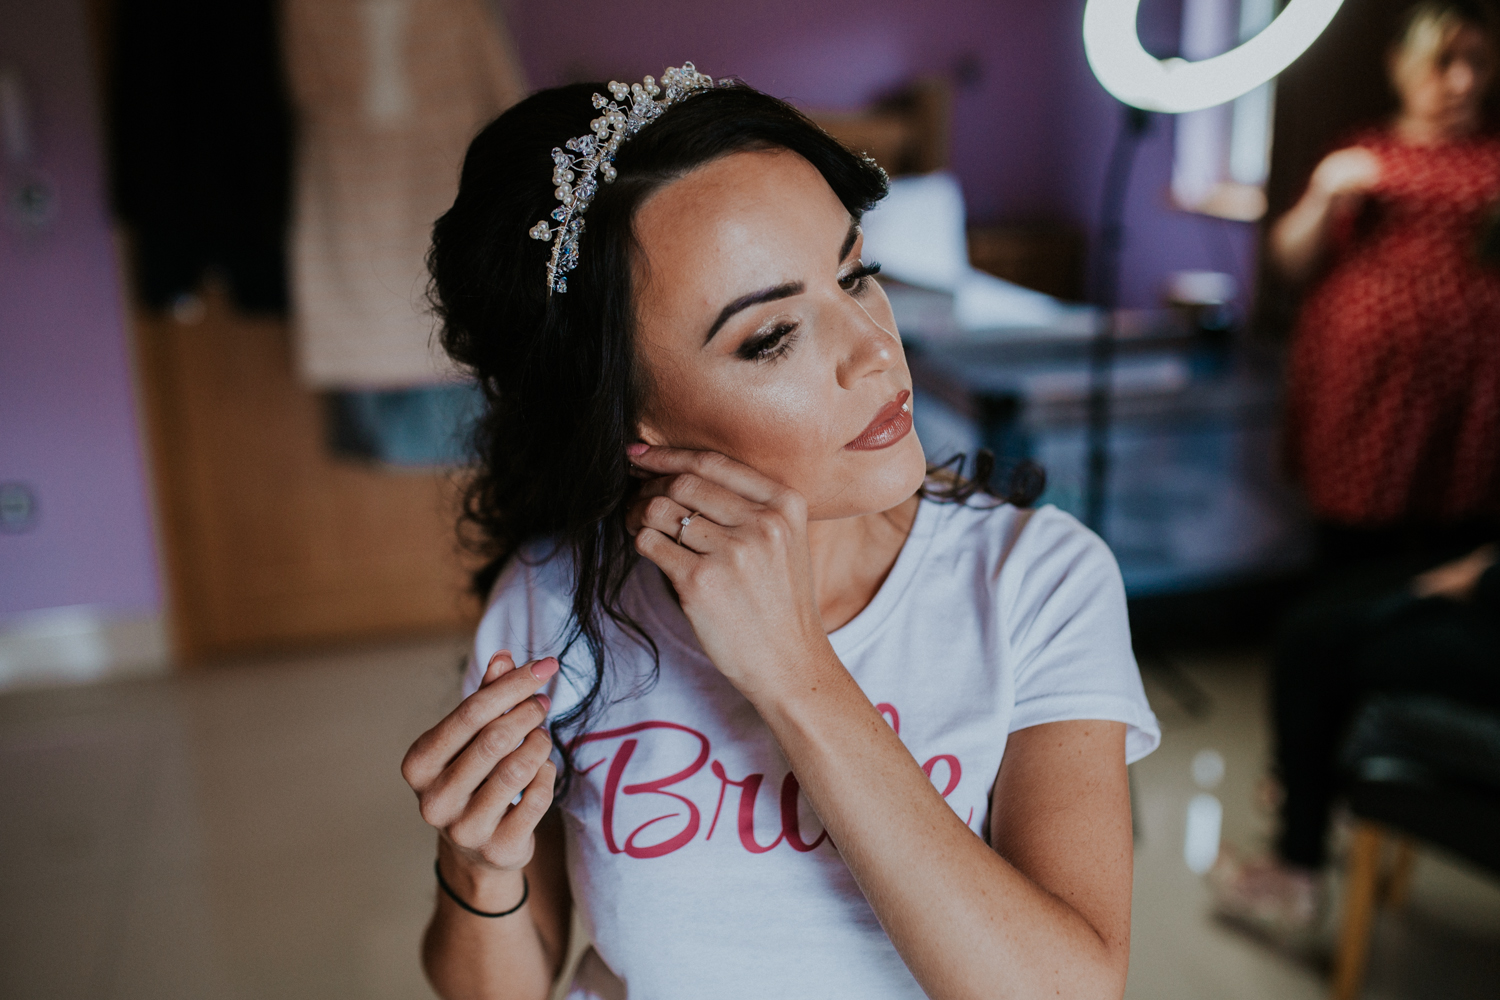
244,833
1445,943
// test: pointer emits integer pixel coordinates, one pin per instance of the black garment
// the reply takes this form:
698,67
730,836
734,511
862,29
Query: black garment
201,147
1345,551
1355,638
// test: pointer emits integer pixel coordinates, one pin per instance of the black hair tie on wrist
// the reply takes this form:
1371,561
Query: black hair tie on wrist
437,869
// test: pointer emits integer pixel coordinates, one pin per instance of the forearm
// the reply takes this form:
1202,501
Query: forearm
966,922
1299,239
467,957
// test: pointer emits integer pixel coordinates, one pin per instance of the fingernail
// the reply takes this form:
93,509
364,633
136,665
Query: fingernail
542,669
637,450
492,669
499,653
545,702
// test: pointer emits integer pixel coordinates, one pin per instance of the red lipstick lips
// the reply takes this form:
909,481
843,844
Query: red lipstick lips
890,425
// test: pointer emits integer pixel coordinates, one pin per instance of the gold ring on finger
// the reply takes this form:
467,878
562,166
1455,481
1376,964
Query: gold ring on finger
684,523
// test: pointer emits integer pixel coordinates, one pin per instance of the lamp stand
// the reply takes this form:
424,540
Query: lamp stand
1133,127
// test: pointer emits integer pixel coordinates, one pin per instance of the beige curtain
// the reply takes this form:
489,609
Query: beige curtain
388,94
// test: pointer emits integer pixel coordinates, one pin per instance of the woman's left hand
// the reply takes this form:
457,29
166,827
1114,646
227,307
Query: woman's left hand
1456,580
741,569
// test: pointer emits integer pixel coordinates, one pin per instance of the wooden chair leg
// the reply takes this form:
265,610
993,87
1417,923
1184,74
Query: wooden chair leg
1397,883
1360,887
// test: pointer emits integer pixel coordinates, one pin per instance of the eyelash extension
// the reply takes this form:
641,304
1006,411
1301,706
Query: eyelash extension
772,346
860,277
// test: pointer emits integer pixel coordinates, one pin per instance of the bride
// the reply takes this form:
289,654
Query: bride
779,711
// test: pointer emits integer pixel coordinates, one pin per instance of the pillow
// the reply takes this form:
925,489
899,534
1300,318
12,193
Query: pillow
918,235
917,232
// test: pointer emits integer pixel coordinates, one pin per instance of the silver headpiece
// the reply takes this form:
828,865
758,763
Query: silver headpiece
575,175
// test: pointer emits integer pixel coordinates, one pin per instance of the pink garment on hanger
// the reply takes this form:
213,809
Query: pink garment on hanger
388,94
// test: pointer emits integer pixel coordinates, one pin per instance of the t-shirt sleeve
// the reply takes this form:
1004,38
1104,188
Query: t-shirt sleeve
1069,634
528,614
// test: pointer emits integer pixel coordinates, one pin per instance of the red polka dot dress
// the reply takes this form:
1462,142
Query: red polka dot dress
1394,374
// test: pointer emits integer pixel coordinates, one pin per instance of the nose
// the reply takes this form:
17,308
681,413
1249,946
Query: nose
868,348
1461,77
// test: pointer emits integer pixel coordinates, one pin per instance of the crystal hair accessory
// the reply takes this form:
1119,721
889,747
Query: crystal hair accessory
592,157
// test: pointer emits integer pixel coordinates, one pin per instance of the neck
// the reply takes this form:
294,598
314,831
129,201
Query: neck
852,556
1422,130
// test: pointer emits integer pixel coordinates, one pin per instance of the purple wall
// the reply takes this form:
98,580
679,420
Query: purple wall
1031,134
1158,238
67,419
833,55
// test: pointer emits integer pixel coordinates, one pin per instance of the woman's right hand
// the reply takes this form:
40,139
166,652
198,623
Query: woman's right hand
468,769
1346,176
1300,237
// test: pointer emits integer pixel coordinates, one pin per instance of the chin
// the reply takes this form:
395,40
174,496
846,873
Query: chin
877,481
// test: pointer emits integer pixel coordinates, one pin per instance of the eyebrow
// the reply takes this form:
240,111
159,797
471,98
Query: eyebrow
783,291
849,239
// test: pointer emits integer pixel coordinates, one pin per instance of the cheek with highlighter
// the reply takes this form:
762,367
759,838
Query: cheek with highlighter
821,450
793,423
784,427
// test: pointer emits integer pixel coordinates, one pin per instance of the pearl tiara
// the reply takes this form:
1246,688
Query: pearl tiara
575,175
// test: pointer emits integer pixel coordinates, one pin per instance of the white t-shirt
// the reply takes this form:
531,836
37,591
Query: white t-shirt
696,863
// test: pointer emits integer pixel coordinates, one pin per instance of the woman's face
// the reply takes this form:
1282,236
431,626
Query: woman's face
765,338
1444,81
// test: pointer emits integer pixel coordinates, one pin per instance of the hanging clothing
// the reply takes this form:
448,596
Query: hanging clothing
388,94
200,136
1394,376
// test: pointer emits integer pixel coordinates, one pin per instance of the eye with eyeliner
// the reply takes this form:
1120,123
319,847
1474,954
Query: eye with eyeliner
770,345
778,340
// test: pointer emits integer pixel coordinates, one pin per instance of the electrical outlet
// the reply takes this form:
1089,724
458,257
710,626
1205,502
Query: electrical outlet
18,509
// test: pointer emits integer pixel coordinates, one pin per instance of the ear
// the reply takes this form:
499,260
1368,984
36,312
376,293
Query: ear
647,431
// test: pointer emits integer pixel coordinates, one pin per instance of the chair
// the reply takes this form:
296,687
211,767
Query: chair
1424,769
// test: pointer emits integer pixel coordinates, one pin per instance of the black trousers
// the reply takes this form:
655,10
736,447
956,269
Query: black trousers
1357,636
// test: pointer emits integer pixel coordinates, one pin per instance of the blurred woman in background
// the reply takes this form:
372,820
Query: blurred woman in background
1394,374
1394,420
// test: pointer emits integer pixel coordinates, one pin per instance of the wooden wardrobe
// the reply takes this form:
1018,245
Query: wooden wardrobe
271,542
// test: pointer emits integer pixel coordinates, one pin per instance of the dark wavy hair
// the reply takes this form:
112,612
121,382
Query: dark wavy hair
560,376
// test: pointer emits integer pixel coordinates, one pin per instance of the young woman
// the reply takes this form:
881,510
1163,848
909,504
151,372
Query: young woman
813,732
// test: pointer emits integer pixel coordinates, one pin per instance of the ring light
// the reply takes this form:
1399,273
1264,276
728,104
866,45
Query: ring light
1139,79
